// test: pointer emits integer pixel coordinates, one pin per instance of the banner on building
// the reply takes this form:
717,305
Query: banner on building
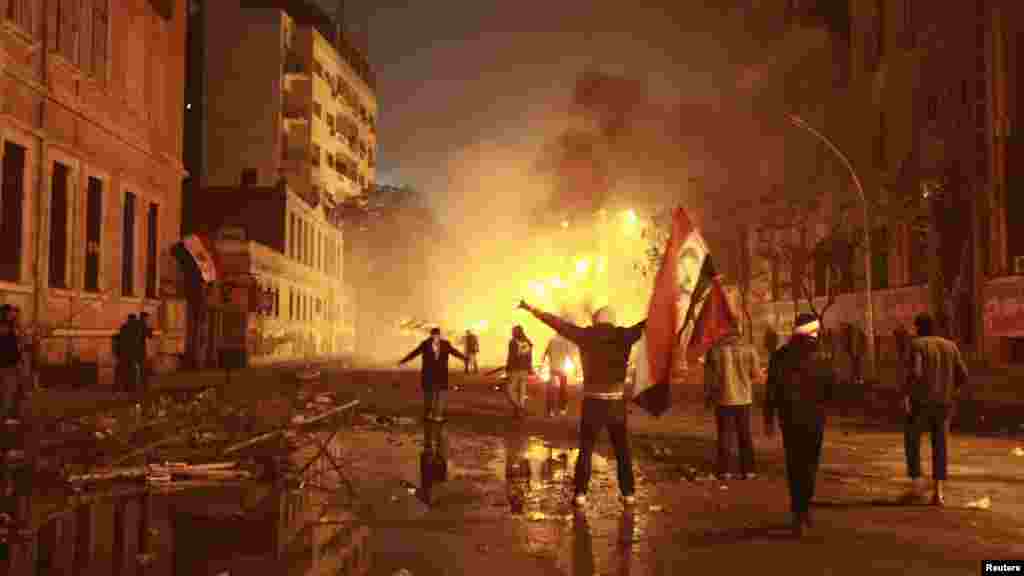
1004,308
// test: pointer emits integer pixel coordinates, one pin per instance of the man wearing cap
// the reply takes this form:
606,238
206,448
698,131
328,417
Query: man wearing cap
604,351
800,382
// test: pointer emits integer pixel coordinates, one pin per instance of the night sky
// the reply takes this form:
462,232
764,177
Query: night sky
453,74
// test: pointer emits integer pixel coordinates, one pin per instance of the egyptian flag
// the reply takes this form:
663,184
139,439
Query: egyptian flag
687,306
194,254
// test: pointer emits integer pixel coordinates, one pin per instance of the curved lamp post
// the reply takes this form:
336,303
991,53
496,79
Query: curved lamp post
869,315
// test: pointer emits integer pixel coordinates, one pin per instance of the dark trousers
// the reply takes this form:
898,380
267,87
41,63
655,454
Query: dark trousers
933,418
558,394
802,437
131,375
734,421
598,414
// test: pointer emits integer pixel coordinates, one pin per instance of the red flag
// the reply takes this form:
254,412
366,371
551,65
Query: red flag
651,387
716,318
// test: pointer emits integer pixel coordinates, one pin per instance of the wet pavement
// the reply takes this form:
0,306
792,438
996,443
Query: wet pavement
505,507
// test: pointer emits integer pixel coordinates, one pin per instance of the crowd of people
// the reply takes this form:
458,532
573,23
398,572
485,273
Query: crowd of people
799,387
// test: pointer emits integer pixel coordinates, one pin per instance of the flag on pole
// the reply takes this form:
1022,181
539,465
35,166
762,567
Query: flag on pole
688,310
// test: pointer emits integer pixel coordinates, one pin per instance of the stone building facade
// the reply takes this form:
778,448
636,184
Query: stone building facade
91,124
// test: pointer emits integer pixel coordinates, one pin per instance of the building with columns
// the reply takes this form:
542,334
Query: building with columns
90,191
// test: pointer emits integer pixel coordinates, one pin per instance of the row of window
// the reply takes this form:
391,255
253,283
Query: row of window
303,307
345,131
313,247
78,30
64,236
340,163
344,93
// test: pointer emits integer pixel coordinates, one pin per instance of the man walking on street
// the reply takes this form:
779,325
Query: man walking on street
800,382
730,369
604,350
937,373
559,353
434,381
472,349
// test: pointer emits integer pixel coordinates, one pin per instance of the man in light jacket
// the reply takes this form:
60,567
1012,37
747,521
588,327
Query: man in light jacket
937,372
731,367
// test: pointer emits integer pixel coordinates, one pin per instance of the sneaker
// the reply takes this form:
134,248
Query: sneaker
579,500
628,500
938,500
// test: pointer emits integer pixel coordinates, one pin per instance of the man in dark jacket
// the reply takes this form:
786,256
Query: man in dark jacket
472,350
604,351
800,382
937,372
129,347
434,378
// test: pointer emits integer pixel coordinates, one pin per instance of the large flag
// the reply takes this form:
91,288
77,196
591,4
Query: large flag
688,307
193,249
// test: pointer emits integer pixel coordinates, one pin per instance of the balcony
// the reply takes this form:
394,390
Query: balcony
297,102
294,65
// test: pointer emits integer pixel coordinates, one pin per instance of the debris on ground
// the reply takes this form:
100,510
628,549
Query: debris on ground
980,504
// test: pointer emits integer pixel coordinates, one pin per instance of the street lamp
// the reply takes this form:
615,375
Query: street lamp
869,315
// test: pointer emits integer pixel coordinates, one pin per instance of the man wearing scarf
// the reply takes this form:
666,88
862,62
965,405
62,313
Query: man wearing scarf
800,382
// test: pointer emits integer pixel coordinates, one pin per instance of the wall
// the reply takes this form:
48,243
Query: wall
244,63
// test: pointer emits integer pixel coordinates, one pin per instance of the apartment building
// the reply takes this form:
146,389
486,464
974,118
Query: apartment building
279,165
90,200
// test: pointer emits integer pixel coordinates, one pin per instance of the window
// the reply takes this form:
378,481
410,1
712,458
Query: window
315,159
291,305
881,154
20,12
318,110
918,265
880,259
152,234
909,31
93,227
59,225
100,29
83,537
277,303
292,225
12,196
128,246
880,38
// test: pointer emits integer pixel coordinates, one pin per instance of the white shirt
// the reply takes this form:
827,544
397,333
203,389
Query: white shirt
436,345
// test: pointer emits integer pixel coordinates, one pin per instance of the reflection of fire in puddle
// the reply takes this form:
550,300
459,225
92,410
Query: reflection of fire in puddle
531,458
538,475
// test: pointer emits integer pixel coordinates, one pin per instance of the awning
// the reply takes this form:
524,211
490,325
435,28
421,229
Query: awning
194,249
